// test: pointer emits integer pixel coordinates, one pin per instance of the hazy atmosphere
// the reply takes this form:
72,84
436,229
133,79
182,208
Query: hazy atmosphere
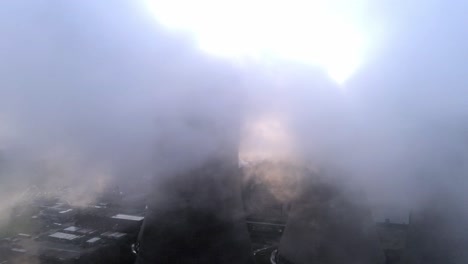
96,94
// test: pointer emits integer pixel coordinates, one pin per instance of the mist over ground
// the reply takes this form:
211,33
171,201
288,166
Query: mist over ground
96,93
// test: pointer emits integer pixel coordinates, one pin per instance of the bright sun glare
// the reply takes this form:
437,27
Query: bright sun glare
308,31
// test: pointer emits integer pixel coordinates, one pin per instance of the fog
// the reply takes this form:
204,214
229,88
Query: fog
96,93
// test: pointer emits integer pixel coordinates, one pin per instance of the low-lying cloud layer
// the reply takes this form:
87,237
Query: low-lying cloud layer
97,92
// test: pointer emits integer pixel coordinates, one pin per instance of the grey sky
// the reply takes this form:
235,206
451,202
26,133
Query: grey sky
103,81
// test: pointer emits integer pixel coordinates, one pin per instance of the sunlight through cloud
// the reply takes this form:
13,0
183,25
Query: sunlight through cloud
312,32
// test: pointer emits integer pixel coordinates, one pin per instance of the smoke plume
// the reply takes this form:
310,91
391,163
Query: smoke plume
96,93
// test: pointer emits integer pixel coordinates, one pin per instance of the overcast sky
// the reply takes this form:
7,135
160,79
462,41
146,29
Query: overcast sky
94,87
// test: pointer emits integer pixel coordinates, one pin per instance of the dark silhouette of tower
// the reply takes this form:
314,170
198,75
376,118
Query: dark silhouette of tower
199,221
195,213
329,225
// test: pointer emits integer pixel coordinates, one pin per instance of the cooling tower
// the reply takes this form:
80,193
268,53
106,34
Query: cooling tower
195,212
199,221
327,225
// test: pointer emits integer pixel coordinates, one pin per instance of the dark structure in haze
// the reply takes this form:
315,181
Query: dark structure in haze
195,212
329,225
199,220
